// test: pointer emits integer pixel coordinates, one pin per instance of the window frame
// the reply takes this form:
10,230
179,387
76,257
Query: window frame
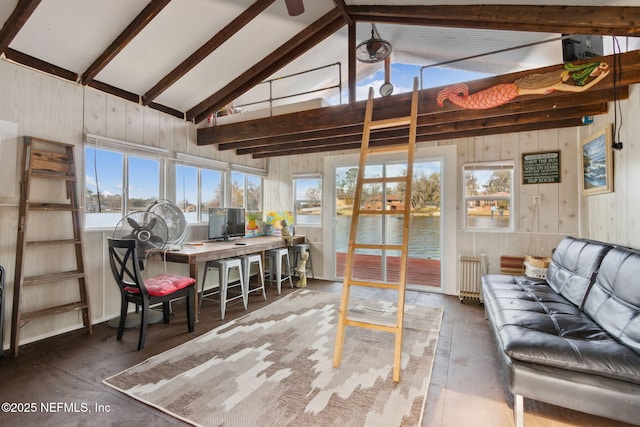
246,171
295,177
466,199
201,164
126,150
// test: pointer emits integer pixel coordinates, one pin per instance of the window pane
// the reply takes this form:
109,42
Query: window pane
187,191
237,189
103,191
210,192
254,193
488,197
308,200
144,183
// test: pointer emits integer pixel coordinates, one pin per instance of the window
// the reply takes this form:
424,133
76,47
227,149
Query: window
307,190
488,200
246,191
110,192
197,190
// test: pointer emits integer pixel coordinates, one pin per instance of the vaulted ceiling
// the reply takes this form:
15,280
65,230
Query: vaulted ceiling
189,58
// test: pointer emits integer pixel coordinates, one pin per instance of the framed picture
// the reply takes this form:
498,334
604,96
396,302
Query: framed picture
596,163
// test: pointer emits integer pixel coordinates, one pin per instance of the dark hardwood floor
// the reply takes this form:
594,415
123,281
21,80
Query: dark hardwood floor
64,374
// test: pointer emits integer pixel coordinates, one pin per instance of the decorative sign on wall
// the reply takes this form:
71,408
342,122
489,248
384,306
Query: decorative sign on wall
541,168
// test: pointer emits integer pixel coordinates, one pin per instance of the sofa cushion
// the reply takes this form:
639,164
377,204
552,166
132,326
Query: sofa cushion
614,299
536,325
573,265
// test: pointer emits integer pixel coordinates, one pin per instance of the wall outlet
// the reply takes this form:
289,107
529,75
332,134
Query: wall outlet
536,200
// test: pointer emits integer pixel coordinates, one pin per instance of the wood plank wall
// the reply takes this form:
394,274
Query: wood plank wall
59,110
50,108
614,217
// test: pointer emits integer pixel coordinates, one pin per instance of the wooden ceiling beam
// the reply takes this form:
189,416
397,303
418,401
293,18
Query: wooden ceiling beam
281,56
133,29
441,137
389,136
342,7
600,20
12,26
396,105
39,64
534,105
207,49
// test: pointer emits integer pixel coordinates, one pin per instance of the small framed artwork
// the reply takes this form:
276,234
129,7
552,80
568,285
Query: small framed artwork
596,163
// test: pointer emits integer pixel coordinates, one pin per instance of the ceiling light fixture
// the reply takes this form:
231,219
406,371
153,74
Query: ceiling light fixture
373,50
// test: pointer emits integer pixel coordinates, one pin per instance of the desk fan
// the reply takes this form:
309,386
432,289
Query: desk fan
174,219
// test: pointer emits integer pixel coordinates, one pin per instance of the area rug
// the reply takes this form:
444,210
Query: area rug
274,367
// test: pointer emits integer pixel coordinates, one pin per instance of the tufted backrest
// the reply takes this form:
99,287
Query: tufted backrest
573,265
614,299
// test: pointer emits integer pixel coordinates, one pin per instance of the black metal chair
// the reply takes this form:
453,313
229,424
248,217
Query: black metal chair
125,265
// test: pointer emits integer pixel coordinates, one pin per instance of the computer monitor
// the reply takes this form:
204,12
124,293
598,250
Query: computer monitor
225,223
235,222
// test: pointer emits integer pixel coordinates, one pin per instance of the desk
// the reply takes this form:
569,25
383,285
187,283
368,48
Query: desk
211,251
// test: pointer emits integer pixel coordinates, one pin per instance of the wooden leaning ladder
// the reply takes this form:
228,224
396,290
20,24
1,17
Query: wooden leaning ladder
365,151
40,165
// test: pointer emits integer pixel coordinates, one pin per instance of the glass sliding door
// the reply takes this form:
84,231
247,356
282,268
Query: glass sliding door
425,243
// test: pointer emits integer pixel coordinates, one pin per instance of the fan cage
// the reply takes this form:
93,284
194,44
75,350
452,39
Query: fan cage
174,219
148,228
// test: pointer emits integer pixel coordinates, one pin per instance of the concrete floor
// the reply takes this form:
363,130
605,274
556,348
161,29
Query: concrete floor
65,373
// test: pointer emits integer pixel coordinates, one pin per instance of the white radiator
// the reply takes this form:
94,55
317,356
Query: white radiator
470,272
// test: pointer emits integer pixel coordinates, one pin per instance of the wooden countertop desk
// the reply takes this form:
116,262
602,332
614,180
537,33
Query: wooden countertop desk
195,253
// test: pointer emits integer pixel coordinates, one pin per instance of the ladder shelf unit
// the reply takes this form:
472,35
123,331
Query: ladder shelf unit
53,163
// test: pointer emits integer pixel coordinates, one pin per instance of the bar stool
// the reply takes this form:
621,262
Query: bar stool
224,266
296,252
247,260
276,258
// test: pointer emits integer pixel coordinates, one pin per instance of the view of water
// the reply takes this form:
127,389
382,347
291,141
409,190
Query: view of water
424,235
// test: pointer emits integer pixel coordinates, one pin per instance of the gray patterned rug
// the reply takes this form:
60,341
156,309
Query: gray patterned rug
273,367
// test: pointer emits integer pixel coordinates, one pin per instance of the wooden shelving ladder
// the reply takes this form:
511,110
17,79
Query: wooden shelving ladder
42,165
365,151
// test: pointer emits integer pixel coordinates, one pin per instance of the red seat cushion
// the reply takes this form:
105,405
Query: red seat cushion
164,284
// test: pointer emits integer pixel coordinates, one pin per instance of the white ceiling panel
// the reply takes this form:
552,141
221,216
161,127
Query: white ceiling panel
73,33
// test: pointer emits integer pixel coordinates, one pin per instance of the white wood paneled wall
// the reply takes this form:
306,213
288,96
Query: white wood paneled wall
614,217
50,108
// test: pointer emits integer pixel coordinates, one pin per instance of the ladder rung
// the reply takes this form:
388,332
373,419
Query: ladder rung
379,246
384,180
51,175
52,278
378,285
54,242
369,325
390,123
28,315
51,207
387,149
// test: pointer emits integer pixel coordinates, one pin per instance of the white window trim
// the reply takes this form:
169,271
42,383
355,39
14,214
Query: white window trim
448,195
127,149
315,175
123,146
490,165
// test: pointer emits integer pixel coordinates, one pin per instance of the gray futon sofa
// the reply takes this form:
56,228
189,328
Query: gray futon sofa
573,339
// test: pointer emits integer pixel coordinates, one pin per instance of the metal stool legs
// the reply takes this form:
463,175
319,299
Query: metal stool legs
224,266
247,261
276,257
